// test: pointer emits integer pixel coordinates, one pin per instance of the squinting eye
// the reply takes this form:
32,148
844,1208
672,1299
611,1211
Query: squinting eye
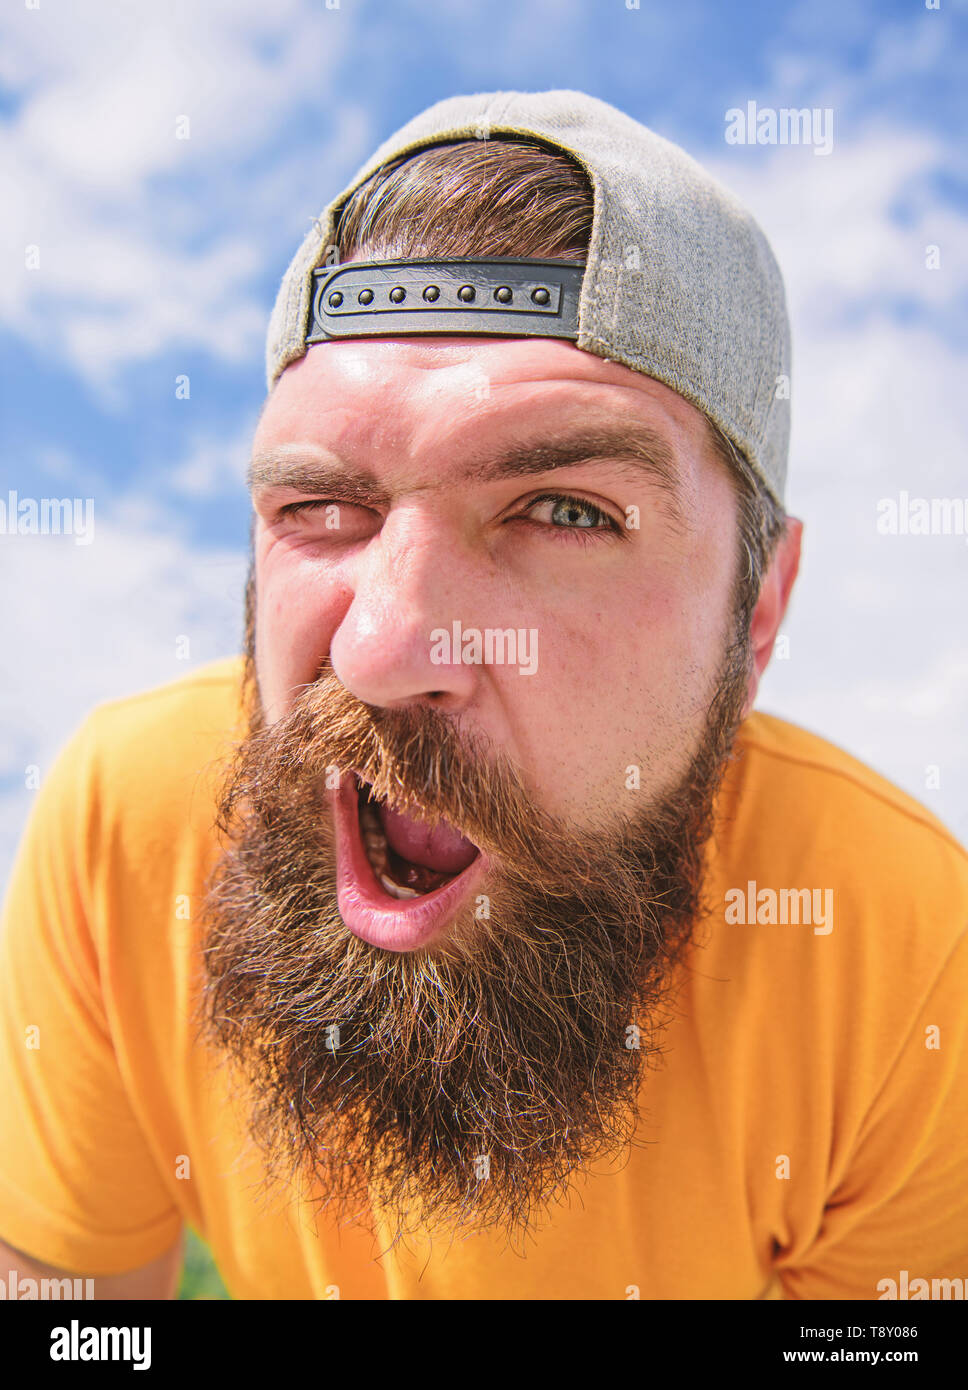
294,508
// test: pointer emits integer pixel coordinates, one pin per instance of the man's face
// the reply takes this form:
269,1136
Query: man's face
558,801
627,622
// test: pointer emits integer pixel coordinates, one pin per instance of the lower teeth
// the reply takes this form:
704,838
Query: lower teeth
396,890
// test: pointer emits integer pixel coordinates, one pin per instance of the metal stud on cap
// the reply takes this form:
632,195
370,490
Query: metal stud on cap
499,295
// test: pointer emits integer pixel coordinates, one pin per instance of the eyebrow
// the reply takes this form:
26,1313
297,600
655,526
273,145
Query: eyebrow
639,452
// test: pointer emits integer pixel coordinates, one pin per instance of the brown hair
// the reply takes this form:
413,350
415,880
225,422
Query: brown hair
473,198
503,197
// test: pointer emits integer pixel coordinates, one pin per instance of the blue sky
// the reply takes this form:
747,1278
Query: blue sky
159,257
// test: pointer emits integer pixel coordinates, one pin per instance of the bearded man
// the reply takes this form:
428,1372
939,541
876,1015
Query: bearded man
474,909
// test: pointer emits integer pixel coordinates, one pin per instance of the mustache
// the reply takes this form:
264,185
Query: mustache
422,763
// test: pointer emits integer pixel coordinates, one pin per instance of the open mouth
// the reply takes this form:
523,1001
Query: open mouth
400,876
399,880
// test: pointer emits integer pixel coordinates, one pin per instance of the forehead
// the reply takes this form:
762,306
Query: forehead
391,401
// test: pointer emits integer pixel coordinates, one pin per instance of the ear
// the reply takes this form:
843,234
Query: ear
772,603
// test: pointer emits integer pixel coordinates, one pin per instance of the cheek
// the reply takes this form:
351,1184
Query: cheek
656,641
619,685
298,609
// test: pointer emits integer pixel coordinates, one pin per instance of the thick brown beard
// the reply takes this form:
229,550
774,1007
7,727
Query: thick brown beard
522,1040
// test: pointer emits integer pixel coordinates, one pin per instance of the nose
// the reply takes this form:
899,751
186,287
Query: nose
411,581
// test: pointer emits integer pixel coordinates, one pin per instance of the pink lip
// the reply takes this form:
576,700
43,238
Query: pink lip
369,911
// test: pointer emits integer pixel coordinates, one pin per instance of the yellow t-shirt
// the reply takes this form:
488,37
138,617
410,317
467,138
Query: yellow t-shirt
807,1129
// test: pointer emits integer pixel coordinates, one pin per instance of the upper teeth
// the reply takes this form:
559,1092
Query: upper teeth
373,836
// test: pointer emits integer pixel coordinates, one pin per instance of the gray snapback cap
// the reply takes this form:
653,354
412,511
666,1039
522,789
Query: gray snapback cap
679,281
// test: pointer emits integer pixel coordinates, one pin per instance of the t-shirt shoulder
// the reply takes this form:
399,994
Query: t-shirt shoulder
800,813
149,763
838,779
217,682
204,705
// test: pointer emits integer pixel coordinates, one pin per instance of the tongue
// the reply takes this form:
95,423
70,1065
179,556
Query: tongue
441,848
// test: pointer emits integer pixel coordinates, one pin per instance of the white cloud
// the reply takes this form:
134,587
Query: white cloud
132,260
95,622
214,463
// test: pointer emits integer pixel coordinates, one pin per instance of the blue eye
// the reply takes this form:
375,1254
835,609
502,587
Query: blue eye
570,514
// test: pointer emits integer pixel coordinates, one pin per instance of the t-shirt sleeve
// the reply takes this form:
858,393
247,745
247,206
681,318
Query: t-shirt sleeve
79,1187
901,1213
